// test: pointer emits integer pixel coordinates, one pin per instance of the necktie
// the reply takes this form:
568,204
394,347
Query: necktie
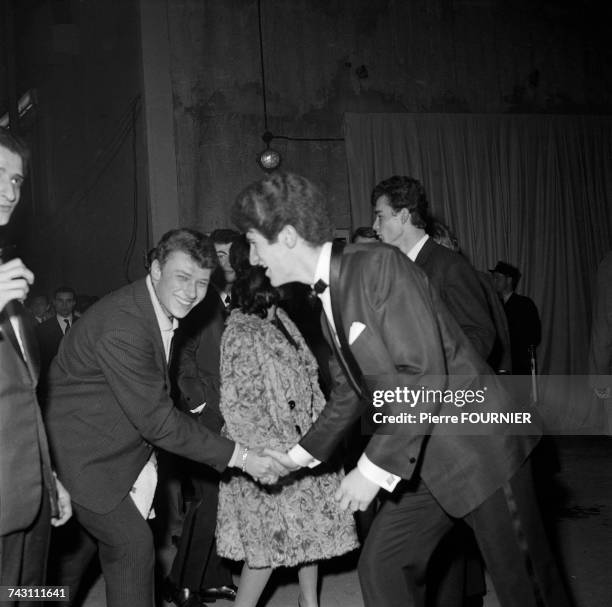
67,327
320,286
227,301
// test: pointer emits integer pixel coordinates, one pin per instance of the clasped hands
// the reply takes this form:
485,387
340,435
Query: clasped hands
356,492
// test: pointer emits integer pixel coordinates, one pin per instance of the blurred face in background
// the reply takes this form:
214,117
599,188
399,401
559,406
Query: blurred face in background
223,250
64,303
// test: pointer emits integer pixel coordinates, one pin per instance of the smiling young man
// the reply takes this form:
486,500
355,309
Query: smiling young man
109,406
383,319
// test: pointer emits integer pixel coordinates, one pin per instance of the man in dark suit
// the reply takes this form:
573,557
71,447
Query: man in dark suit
31,498
51,331
400,332
523,318
402,219
109,405
197,569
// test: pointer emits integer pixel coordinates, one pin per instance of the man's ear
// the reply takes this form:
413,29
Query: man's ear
288,236
155,270
405,215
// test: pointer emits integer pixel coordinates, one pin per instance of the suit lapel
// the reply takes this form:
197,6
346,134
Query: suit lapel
344,353
29,355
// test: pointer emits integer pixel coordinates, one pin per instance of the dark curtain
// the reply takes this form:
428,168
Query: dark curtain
533,190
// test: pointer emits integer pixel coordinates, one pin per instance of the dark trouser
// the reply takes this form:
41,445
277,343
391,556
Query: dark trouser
509,532
124,543
197,565
23,554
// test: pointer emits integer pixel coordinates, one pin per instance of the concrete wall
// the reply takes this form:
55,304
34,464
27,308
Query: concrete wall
323,58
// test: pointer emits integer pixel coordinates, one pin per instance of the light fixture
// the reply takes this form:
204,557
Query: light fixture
269,160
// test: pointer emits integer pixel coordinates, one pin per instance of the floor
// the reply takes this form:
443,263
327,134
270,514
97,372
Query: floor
581,510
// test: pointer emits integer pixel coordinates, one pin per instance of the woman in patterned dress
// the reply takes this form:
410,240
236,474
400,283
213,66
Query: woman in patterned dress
269,398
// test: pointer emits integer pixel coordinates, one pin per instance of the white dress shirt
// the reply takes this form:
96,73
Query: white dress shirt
143,490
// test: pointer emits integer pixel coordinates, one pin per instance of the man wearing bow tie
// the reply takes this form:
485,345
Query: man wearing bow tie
31,498
383,319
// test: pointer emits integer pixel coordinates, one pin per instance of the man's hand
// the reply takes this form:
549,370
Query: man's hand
63,503
264,468
283,459
15,281
356,491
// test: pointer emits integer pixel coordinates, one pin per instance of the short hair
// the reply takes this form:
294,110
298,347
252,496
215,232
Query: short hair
252,292
64,289
195,244
364,232
224,236
239,254
443,235
405,193
16,145
282,199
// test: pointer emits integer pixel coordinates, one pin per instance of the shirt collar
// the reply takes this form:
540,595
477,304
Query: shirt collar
323,264
165,323
416,249
62,319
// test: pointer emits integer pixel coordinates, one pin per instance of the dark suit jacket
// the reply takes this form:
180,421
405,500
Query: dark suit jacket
109,402
49,335
525,330
198,345
411,335
460,289
25,468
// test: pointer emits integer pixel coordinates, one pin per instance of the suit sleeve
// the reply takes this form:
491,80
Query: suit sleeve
137,379
466,301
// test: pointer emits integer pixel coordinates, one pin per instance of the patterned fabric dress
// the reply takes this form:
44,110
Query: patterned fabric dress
269,398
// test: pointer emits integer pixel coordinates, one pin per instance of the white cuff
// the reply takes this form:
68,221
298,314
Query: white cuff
302,458
377,475
234,458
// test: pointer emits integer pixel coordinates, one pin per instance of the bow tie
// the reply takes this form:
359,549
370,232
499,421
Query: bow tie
320,286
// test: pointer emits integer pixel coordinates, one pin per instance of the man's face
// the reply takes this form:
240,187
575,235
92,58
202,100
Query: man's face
180,284
387,222
39,306
224,262
502,283
11,178
274,256
64,304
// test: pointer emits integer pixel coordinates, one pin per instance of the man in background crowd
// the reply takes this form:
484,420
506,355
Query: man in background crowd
523,318
51,332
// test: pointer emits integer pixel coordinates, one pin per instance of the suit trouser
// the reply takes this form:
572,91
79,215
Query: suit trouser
23,554
124,543
509,532
197,565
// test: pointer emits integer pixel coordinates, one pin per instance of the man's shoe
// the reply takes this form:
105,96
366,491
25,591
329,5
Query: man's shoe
222,592
181,597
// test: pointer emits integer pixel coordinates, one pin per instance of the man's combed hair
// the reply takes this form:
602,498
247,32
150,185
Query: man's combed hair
405,193
195,244
282,199
16,145
224,236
